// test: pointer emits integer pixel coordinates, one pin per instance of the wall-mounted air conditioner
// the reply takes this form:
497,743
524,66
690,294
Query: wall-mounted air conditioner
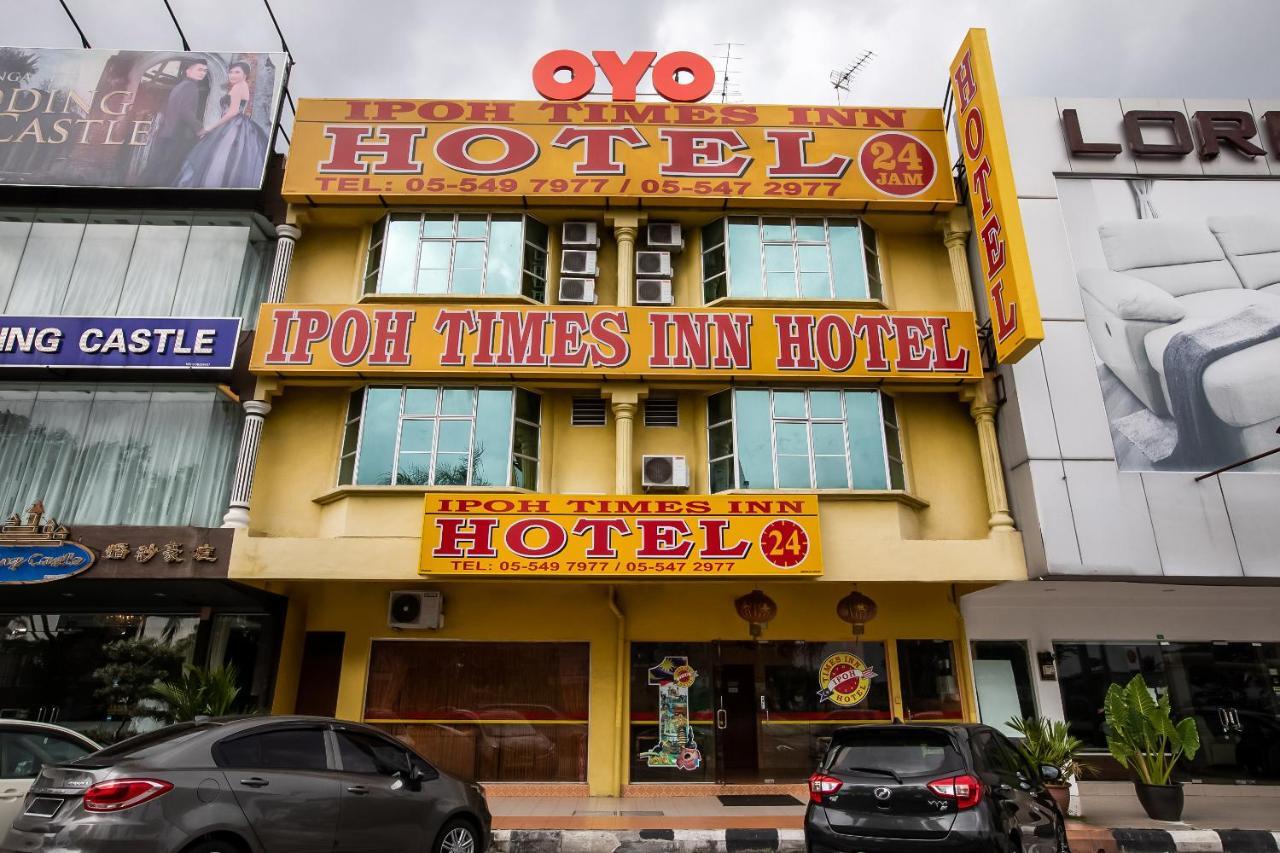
653,291
577,291
664,235
579,235
411,609
579,262
653,264
664,472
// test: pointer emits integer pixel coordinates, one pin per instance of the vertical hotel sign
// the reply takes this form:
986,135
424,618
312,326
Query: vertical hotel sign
1006,268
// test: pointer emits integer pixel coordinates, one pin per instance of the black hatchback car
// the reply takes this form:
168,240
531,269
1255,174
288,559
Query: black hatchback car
952,788
252,785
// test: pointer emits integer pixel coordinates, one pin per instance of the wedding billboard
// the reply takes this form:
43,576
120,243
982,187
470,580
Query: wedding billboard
126,118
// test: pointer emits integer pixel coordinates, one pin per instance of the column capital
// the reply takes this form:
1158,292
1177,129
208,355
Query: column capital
624,410
625,392
626,220
955,226
257,408
288,231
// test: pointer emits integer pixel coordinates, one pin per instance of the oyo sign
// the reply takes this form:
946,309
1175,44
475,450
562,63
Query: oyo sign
624,75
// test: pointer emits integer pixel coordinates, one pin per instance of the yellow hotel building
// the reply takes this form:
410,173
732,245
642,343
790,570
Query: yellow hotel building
613,470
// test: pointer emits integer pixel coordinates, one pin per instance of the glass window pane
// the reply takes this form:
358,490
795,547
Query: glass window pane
351,438
755,446
377,232
788,404
874,286
398,254
715,288
828,439
15,226
506,248
721,441
866,439
526,440
927,673
722,475
346,470
432,281
793,472
437,225
810,231
777,229
467,280
535,232
415,435
491,455
712,234
846,261
719,407
781,285
472,225
468,256
533,287
451,469
45,271
712,263
524,472
825,404
152,280
420,401
378,443
101,264
812,258
435,255
831,472
211,269
792,438
457,401
528,405
815,285
414,469
744,259
455,436
779,258
897,478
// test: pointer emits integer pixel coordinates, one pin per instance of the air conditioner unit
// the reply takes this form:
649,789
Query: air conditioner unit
411,609
664,235
664,472
580,291
578,262
579,235
654,264
653,291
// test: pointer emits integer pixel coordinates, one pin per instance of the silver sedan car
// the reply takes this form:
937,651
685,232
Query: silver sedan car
252,785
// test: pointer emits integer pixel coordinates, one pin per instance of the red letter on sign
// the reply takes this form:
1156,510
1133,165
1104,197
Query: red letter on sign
350,338
475,532
992,247
601,529
518,533
598,148
874,329
666,76
790,157
352,142
391,337
583,75
314,327
1006,312
453,326
624,76
694,153
661,538
715,548
795,342
965,85
519,150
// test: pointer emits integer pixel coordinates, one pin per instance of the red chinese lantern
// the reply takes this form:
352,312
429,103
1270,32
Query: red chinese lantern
856,609
756,608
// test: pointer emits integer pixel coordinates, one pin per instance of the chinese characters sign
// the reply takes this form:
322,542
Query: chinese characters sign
429,341
1002,247
154,342
413,151
623,535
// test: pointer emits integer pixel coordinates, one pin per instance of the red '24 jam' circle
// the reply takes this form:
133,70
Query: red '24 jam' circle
784,543
897,164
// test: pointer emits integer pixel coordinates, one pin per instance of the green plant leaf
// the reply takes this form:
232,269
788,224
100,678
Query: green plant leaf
1189,737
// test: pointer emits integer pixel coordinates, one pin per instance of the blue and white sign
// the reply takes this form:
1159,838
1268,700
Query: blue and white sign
204,343
43,563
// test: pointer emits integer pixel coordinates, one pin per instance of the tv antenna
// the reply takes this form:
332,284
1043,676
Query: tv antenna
727,89
842,78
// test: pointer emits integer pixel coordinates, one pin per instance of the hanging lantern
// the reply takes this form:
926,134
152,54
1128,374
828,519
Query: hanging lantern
756,608
856,609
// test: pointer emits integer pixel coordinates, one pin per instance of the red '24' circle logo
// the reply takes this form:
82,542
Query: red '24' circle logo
897,164
784,543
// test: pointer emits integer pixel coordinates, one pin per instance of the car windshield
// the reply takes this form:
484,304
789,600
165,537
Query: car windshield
904,752
168,734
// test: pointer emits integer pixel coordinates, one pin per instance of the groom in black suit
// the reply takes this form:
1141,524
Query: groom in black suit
180,126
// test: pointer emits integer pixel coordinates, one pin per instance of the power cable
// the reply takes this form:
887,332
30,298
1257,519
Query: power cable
84,40
185,45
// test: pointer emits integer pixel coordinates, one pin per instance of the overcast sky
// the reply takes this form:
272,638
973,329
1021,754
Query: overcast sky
473,49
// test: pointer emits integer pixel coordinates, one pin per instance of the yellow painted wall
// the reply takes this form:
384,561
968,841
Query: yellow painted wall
573,611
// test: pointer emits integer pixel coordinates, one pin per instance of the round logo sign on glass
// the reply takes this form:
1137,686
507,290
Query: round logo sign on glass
844,679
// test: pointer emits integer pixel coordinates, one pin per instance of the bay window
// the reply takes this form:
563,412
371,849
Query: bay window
108,454
497,254
760,438
133,263
789,257
441,436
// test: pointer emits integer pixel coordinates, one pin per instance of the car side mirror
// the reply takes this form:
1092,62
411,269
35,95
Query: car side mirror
1049,773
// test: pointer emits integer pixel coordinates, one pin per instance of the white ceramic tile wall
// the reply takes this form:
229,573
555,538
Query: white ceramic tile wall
1030,123
1253,505
1112,523
1051,266
1191,525
1260,107
1101,120
1054,512
1074,392
1022,494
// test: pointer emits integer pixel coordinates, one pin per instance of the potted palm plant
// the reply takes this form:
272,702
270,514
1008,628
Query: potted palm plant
1049,743
197,691
1143,737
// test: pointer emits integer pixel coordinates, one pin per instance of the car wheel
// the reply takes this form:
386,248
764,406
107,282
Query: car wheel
458,836
213,847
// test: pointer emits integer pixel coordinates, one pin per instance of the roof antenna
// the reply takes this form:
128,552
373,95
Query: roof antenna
185,45
841,78
726,90
84,40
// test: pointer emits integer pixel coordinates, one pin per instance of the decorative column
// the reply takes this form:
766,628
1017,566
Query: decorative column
982,408
255,413
287,237
625,228
955,235
624,416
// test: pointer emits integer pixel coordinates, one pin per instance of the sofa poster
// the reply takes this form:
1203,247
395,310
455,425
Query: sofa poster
1180,285
125,118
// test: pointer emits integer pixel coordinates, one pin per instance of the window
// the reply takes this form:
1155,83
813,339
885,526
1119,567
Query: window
133,263
441,437
1002,676
785,257
927,672
465,253
906,751
373,756
587,411
797,439
23,753
282,749
103,454
662,412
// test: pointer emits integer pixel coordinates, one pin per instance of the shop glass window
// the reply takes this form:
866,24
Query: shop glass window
927,672
1002,676
134,263
498,254
106,454
477,724
760,438
789,257
1086,670
441,437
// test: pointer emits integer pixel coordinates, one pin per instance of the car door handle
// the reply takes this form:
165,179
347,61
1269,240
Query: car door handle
254,782
358,790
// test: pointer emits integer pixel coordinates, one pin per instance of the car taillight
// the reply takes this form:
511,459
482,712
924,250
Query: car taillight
117,794
965,790
821,786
